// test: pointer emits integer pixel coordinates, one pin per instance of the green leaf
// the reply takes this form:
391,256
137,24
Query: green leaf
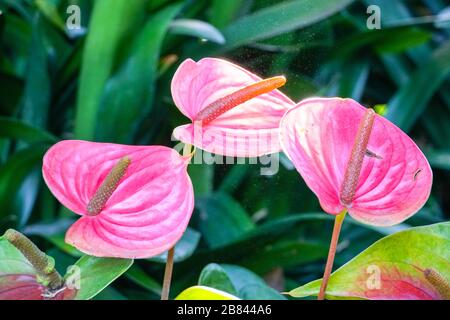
12,261
221,219
284,253
204,293
49,10
202,176
214,276
411,100
129,94
37,92
250,286
252,242
197,28
19,130
223,12
386,40
58,240
184,248
13,174
11,92
439,158
97,273
392,268
138,275
109,23
278,19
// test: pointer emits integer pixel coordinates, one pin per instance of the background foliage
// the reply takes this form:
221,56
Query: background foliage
111,82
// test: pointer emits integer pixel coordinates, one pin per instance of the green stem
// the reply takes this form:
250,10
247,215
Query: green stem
331,253
43,264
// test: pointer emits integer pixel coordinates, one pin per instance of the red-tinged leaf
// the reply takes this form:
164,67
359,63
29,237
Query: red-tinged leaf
409,265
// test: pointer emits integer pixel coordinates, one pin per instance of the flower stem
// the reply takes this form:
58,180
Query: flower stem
168,274
331,253
169,262
43,264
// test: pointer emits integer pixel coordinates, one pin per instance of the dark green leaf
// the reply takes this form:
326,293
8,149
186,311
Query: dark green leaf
221,219
129,94
412,98
109,23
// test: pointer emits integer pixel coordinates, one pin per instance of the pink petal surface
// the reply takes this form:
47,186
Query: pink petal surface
396,284
248,130
147,213
318,135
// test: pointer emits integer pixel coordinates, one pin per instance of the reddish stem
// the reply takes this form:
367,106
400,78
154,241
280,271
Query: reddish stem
331,253
168,275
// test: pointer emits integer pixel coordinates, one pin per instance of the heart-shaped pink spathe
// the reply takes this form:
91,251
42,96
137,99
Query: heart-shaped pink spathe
395,180
248,130
147,213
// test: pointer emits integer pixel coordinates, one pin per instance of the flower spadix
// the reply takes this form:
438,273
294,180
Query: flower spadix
233,111
134,201
354,159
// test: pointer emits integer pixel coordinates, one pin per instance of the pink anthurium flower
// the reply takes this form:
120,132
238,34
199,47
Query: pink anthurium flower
395,177
134,201
355,161
233,111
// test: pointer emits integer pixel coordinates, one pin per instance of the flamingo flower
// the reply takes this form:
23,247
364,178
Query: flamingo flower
233,112
134,201
355,160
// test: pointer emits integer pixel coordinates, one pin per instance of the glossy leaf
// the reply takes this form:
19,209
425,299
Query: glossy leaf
204,293
214,276
250,286
97,273
392,268
184,248
129,94
139,276
222,219
19,130
197,28
109,22
408,104
284,17
12,260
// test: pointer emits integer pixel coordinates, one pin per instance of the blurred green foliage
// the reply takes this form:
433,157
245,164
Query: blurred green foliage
110,81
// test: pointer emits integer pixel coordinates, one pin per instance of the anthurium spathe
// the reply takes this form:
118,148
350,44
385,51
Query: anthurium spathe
233,111
134,201
395,179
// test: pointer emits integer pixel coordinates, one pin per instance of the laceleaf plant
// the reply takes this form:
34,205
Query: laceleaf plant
134,201
355,161
233,111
